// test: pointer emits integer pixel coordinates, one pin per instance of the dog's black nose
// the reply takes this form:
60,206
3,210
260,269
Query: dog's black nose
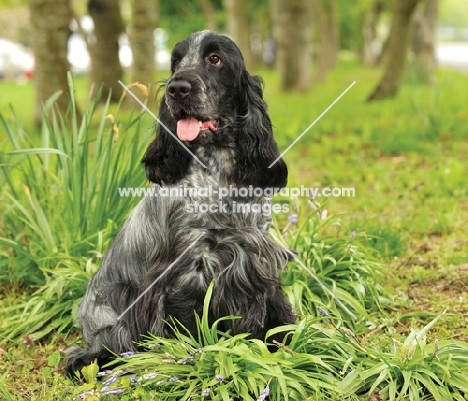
179,89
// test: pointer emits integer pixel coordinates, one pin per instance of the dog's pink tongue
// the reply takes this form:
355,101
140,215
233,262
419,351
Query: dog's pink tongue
188,128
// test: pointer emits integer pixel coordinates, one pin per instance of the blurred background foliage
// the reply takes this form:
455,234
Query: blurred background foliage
105,39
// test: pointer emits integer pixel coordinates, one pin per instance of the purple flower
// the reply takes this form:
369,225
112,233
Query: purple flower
219,378
133,380
110,380
206,392
126,354
264,394
173,379
293,218
84,395
191,355
105,372
324,313
116,391
200,350
182,361
149,376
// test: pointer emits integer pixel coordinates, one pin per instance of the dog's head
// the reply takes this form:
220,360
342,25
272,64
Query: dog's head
211,98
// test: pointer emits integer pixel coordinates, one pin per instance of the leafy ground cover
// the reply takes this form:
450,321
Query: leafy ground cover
395,255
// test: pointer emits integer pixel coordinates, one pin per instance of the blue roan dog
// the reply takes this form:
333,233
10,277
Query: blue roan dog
217,111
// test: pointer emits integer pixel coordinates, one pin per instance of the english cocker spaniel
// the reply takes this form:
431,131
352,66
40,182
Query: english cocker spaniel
157,270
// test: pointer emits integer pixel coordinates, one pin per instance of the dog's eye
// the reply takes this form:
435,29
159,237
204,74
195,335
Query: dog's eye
214,59
174,63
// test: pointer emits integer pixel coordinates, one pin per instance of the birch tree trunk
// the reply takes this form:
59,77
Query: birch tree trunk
50,26
104,47
396,58
292,31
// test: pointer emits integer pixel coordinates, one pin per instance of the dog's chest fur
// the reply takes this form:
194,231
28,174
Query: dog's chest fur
231,234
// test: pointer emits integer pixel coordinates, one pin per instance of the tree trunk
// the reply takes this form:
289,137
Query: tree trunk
50,26
292,31
104,48
144,22
369,33
395,62
209,14
423,44
326,14
431,14
238,26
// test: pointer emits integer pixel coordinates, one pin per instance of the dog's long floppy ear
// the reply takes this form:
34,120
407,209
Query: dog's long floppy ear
165,160
257,147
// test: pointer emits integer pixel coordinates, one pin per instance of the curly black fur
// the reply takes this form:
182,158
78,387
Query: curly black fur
235,249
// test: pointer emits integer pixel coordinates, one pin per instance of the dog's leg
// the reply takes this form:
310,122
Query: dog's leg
77,358
280,313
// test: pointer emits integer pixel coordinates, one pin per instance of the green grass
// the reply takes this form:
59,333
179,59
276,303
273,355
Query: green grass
396,254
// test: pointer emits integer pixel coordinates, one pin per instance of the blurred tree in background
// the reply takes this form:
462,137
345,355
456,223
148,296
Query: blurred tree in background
104,47
325,13
369,32
209,14
424,42
145,15
397,45
237,20
297,36
293,36
50,30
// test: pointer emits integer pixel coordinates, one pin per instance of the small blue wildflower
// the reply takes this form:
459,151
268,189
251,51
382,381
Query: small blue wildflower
219,378
173,379
116,391
105,373
206,392
191,355
324,313
110,380
264,394
149,376
134,380
84,395
293,218
126,354
104,389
